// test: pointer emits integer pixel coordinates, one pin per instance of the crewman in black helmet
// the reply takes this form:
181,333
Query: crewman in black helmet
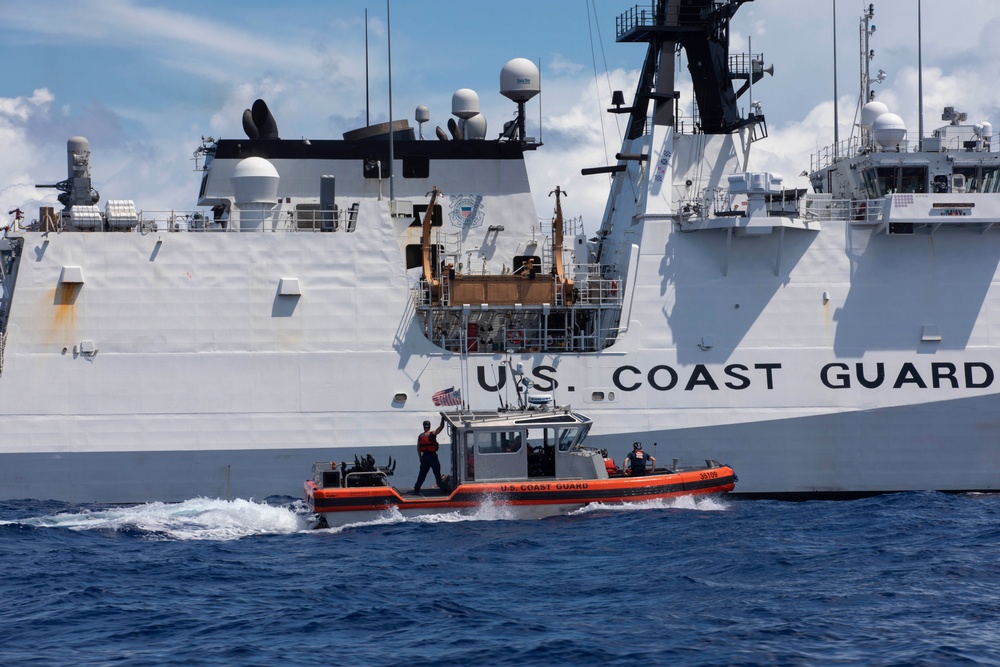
635,462
427,449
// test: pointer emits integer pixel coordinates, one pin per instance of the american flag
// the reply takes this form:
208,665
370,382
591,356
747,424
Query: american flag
450,396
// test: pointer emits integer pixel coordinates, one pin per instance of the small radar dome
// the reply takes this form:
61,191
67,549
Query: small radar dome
870,112
519,80
422,114
475,127
889,130
465,103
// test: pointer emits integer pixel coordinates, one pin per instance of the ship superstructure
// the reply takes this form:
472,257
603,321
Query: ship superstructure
328,295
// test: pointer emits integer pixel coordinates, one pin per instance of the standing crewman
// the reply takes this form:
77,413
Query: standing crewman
636,460
427,450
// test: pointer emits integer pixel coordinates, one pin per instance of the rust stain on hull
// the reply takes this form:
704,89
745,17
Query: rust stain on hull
63,329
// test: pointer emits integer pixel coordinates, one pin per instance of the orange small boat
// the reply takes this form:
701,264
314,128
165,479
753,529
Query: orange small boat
530,460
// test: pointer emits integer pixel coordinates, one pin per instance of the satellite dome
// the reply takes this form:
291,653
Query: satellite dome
475,127
519,80
465,103
422,114
889,130
870,112
255,180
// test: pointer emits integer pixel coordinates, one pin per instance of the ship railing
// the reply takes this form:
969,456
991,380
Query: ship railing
599,292
590,288
517,337
3,344
645,17
854,147
190,221
822,207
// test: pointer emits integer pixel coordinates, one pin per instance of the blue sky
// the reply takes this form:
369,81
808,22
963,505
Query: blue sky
145,79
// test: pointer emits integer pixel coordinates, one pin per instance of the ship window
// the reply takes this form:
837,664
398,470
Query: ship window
418,215
567,438
415,255
871,184
597,396
913,179
904,179
416,166
991,180
503,442
886,180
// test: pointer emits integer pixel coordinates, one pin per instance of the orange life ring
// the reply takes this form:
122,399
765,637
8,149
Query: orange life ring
514,336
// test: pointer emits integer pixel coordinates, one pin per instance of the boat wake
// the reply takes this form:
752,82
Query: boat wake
483,512
195,519
223,520
501,512
701,504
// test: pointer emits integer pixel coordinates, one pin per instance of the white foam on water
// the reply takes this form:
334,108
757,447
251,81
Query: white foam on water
487,511
195,519
392,515
697,503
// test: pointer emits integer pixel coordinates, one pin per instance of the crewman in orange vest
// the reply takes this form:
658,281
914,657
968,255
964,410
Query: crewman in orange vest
427,449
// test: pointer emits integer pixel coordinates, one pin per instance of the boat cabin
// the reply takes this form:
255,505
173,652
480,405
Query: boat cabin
521,445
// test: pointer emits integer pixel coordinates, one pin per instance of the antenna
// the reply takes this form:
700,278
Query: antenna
367,99
539,102
920,81
836,121
392,156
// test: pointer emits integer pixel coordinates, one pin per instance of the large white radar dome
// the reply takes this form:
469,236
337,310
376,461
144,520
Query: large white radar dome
870,112
465,103
889,130
519,80
422,114
255,180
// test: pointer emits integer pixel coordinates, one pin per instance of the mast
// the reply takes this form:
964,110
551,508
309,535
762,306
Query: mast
701,27
920,81
392,156
836,118
368,120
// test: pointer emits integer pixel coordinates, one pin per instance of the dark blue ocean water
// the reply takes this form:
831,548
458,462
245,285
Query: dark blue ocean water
909,579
